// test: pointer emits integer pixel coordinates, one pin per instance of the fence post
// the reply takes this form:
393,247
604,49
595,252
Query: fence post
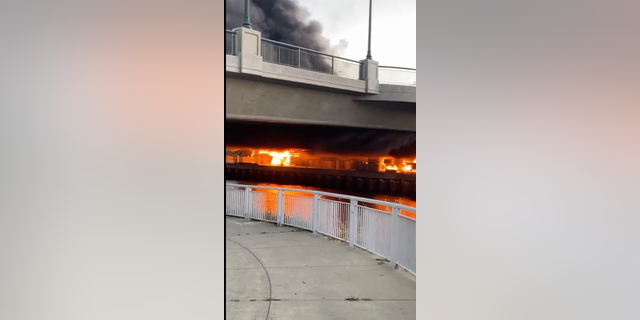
353,223
299,61
315,213
247,203
332,60
393,259
280,208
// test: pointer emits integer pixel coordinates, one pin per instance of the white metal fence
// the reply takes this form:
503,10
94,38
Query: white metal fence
397,76
375,226
298,57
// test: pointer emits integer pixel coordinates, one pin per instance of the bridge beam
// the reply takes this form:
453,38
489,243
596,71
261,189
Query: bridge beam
262,101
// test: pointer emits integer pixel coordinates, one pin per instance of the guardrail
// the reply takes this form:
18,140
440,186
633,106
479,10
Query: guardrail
376,226
397,76
302,58
298,57
229,42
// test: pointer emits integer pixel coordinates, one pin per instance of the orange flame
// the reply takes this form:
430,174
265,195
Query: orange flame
405,166
285,158
280,158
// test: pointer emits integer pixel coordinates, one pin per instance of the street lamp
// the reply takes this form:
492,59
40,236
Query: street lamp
369,48
246,23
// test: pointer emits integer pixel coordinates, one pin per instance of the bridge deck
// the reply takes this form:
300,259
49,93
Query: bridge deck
278,273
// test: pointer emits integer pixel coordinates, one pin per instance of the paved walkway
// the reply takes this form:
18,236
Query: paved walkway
281,273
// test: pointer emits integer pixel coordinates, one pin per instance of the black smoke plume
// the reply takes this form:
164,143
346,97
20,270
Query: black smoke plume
322,140
284,21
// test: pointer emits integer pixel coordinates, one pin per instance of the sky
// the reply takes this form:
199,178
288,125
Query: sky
393,35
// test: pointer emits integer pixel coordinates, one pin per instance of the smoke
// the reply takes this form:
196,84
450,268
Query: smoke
284,21
405,151
365,142
322,140
341,47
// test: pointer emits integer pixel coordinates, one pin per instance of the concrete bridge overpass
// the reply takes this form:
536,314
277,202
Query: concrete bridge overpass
276,82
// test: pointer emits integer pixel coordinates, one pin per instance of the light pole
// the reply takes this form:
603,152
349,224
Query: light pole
369,48
246,23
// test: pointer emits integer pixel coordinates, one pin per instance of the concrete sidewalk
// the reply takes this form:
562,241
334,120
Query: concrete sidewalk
278,273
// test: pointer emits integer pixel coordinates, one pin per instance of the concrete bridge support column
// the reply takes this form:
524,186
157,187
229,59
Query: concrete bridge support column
369,73
249,48
349,183
394,186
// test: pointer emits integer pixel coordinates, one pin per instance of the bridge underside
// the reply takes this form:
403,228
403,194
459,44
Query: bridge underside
271,101
330,140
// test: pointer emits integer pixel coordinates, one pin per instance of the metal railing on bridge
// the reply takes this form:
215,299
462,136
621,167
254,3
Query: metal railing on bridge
382,228
397,76
298,57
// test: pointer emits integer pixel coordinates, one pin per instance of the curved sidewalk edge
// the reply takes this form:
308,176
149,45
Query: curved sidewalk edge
286,273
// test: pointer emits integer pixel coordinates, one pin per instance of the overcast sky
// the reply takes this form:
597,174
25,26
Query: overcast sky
393,36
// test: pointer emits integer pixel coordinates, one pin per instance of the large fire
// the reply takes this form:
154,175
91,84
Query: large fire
299,158
405,166
280,158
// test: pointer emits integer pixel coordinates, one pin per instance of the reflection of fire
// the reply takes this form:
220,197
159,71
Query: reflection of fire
301,202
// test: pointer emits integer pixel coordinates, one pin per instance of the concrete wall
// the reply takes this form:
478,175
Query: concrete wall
271,71
253,100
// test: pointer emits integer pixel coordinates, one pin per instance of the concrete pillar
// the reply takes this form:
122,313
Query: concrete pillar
330,181
406,187
383,185
349,183
372,184
249,50
339,183
300,179
369,73
394,186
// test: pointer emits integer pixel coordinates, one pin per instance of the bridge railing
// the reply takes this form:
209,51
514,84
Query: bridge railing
397,76
229,42
380,227
298,57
